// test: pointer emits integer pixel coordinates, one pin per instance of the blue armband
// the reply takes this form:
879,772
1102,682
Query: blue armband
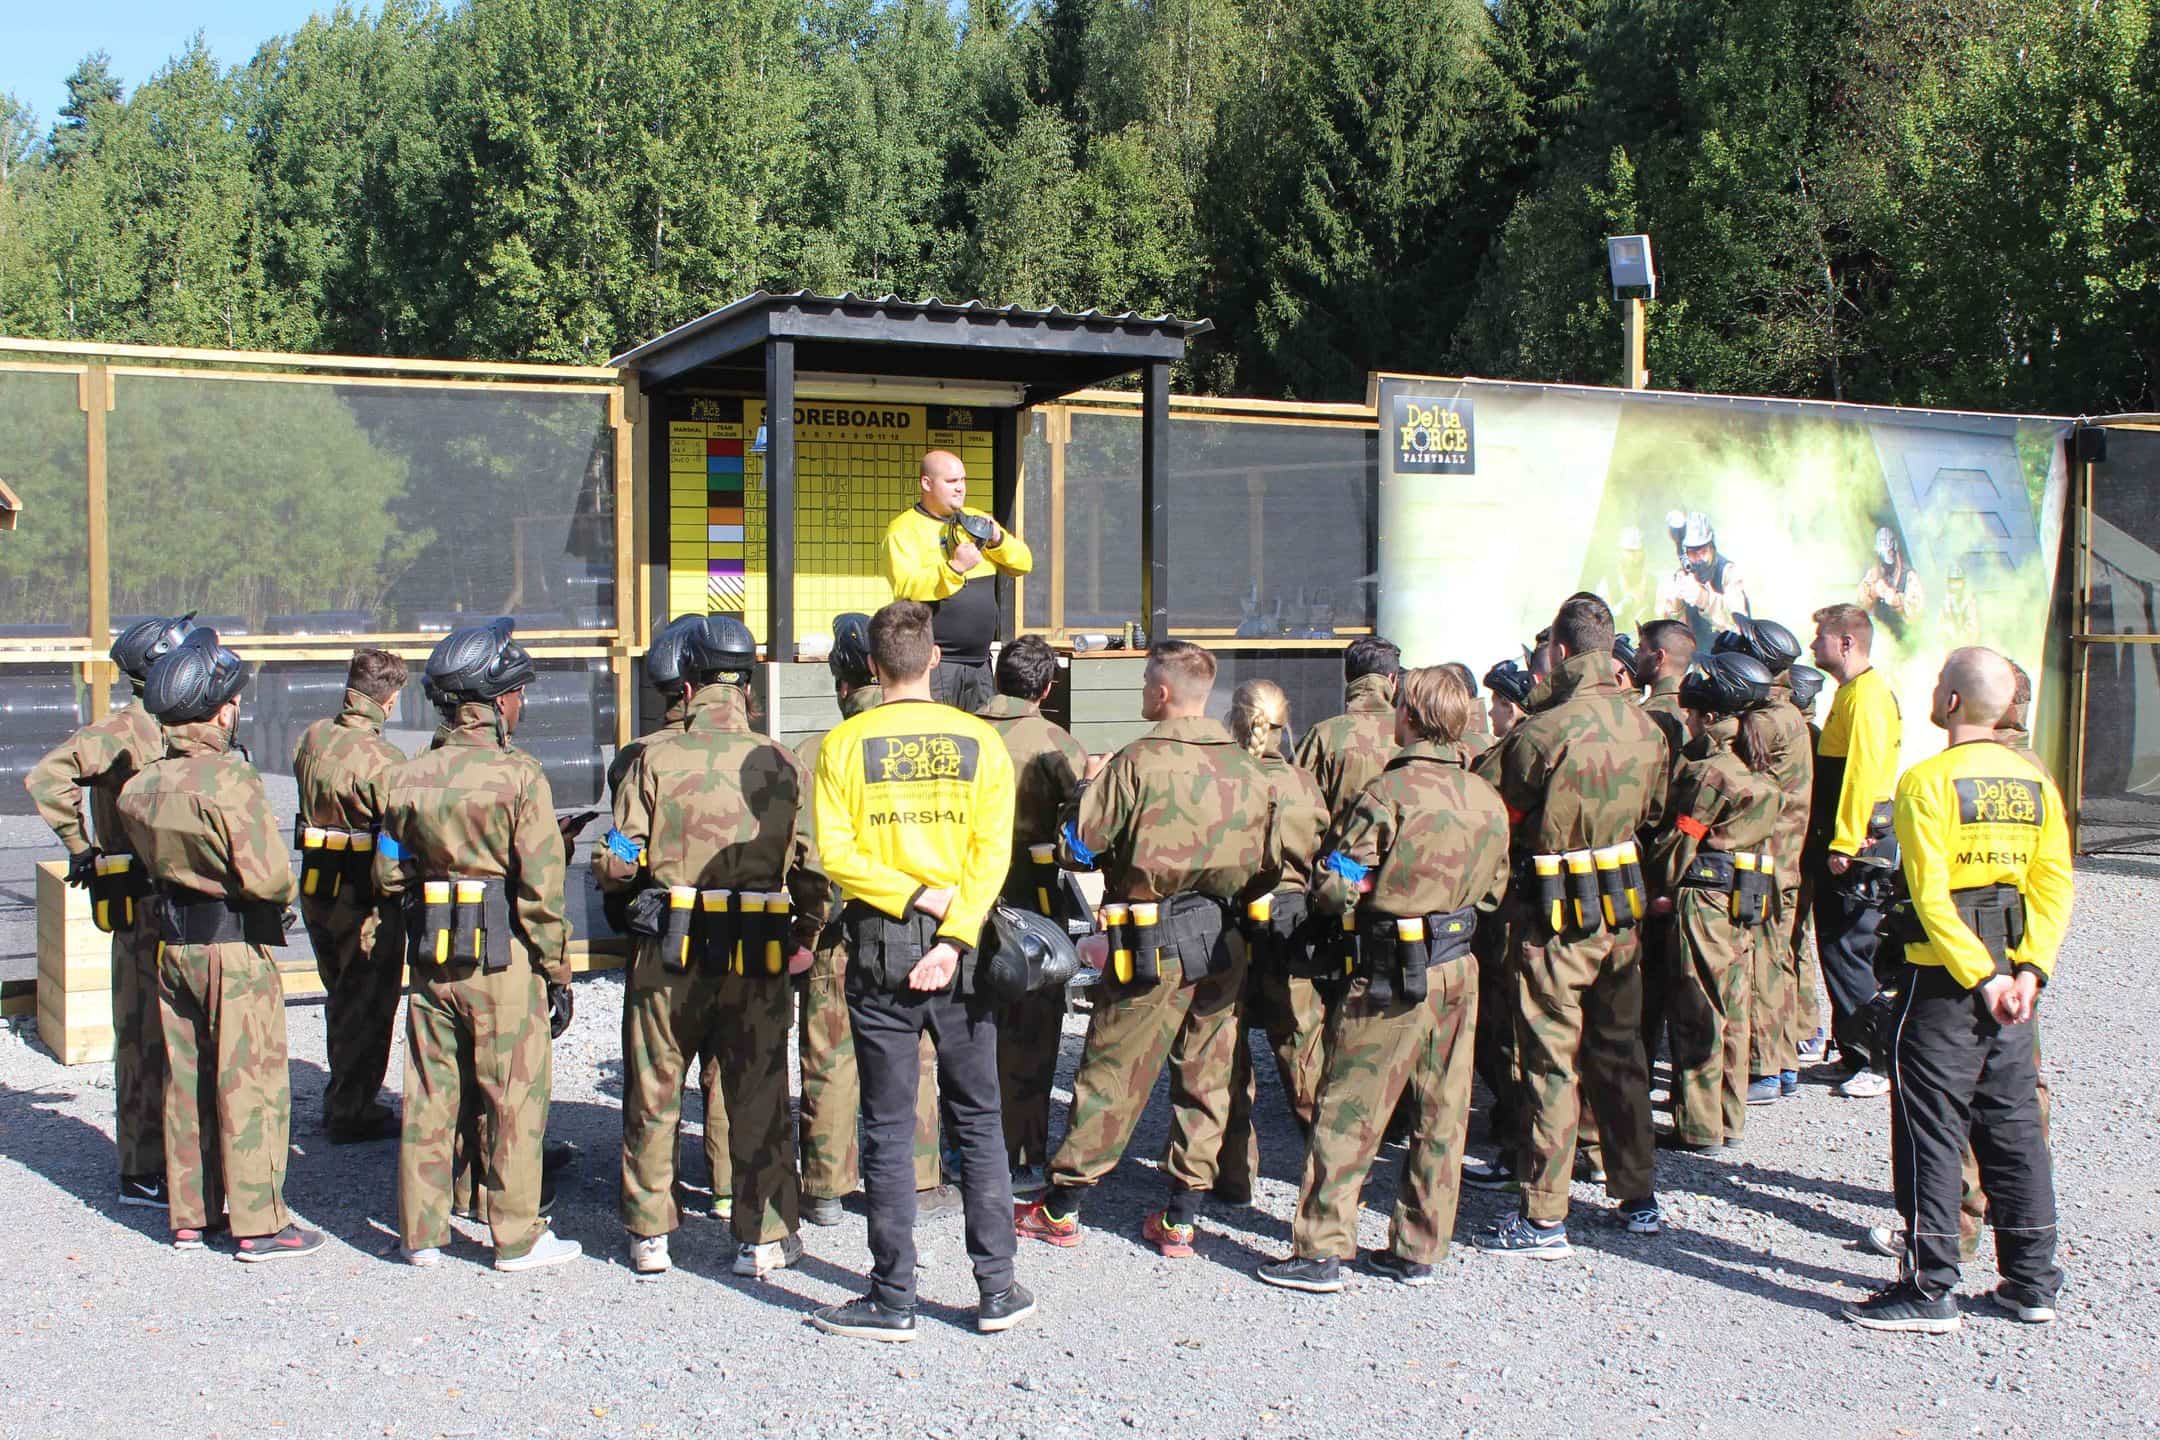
386,846
1338,863
622,847
1080,852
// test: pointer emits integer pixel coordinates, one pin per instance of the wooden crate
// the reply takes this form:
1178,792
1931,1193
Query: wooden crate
74,972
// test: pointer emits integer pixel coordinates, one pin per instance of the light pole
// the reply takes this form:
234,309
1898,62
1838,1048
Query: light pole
1634,281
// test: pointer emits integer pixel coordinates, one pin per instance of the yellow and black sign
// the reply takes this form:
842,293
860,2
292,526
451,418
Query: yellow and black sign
1433,435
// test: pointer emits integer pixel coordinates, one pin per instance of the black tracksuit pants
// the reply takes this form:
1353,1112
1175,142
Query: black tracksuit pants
1955,1073
964,1031
1848,921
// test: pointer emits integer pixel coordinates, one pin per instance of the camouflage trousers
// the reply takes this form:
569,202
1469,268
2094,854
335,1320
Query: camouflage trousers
1710,1099
1289,1011
1135,1028
1775,988
1028,1035
228,1099
470,1033
360,956
1800,935
830,1135
1578,1036
139,1069
668,1018
1497,1064
1375,1056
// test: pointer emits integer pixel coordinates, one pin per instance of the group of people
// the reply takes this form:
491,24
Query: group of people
1612,859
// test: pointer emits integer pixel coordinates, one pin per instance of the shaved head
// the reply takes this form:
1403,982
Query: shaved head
1976,689
942,463
944,483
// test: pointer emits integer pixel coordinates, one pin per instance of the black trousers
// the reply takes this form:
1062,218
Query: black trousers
1848,922
1956,1074
964,1032
964,685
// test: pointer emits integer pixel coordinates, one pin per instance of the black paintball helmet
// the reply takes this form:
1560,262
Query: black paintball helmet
1623,650
1511,682
142,644
720,645
1807,683
478,663
1727,684
850,658
1766,640
664,661
1024,953
192,679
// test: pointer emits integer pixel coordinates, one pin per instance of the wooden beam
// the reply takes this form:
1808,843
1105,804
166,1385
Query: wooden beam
1057,430
10,344
780,499
1155,502
94,392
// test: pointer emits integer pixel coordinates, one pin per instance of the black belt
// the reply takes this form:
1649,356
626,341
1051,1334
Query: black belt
447,928
726,932
1189,927
1394,966
1994,913
1751,888
189,917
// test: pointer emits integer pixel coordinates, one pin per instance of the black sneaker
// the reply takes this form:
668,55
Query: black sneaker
1670,1140
547,1192
1005,1309
147,1191
1903,1307
1396,1268
937,1200
289,1243
2027,1306
557,1156
1495,1174
1315,1277
865,1319
822,1210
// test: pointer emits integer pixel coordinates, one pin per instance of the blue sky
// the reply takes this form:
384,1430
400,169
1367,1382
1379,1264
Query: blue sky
44,40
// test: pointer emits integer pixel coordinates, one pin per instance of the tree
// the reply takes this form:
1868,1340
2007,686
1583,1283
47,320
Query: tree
93,93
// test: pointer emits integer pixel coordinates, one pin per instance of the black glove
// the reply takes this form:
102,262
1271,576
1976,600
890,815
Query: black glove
82,866
561,1005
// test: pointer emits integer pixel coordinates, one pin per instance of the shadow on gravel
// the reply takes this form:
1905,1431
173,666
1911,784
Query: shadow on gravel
1722,1263
70,1154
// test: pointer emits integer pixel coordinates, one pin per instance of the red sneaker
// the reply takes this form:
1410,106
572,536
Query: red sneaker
1175,1241
1033,1221
288,1243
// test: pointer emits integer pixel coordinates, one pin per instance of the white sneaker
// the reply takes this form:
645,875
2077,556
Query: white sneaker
549,1249
1862,1085
648,1255
426,1257
1883,1241
758,1261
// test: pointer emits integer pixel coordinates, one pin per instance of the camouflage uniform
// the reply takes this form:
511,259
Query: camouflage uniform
1661,933
201,822
1288,1008
1434,839
1047,765
474,807
716,808
1180,810
1776,983
828,1134
1580,770
1799,934
1496,1060
341,766
1347,752
1718,805
101,758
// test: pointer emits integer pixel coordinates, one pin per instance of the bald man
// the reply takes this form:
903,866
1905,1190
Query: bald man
1986,857
947,556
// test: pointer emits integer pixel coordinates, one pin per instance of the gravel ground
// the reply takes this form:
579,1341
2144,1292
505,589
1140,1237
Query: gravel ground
1724,1326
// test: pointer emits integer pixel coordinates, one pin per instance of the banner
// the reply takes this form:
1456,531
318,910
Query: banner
1497,500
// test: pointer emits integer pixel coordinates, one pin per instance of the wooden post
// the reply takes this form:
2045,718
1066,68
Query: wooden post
94,393
1004,503
780,501
625,408
1634,374
1155,502
1057,429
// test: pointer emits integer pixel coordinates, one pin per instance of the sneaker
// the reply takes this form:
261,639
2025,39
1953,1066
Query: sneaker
196,1237
2026,1306
1642,1217
1494,1174
757,1261
1590,1168
549,1249
1005,1309
1765,1090
1862,1085
1903,1307
289,1243
1815,1049
937,1200
823,1210
723,1207
427,1257
1520,1237
1671,1140
1884,1241
547,1193
1173,1240
865,1319
147,1191
1788,1082
1029,1181
1315,1277
1394,1267
557,1156
648,1255
1032,1220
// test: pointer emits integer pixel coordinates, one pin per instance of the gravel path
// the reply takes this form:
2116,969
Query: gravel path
1724,1326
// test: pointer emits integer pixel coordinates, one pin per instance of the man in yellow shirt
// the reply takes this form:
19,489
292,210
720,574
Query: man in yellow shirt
1850,851
1986,857
947,556
914,823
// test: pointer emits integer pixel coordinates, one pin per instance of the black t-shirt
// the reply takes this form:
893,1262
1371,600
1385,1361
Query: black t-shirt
967,621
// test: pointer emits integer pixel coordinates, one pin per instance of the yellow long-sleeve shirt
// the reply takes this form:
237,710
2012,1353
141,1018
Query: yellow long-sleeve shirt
1983,814
914,796
914,564
1856,760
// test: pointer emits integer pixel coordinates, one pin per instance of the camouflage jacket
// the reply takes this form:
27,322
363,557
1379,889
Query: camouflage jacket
200,819
101,758
342,765
1180,809
1345,752
1782,733
1047,766
1432,836
1301,819
1585,767
476,807
1662,705
672,721
1717,804
719,807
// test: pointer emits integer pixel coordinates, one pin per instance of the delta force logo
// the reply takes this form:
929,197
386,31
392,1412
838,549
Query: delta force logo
1434,435
919,759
